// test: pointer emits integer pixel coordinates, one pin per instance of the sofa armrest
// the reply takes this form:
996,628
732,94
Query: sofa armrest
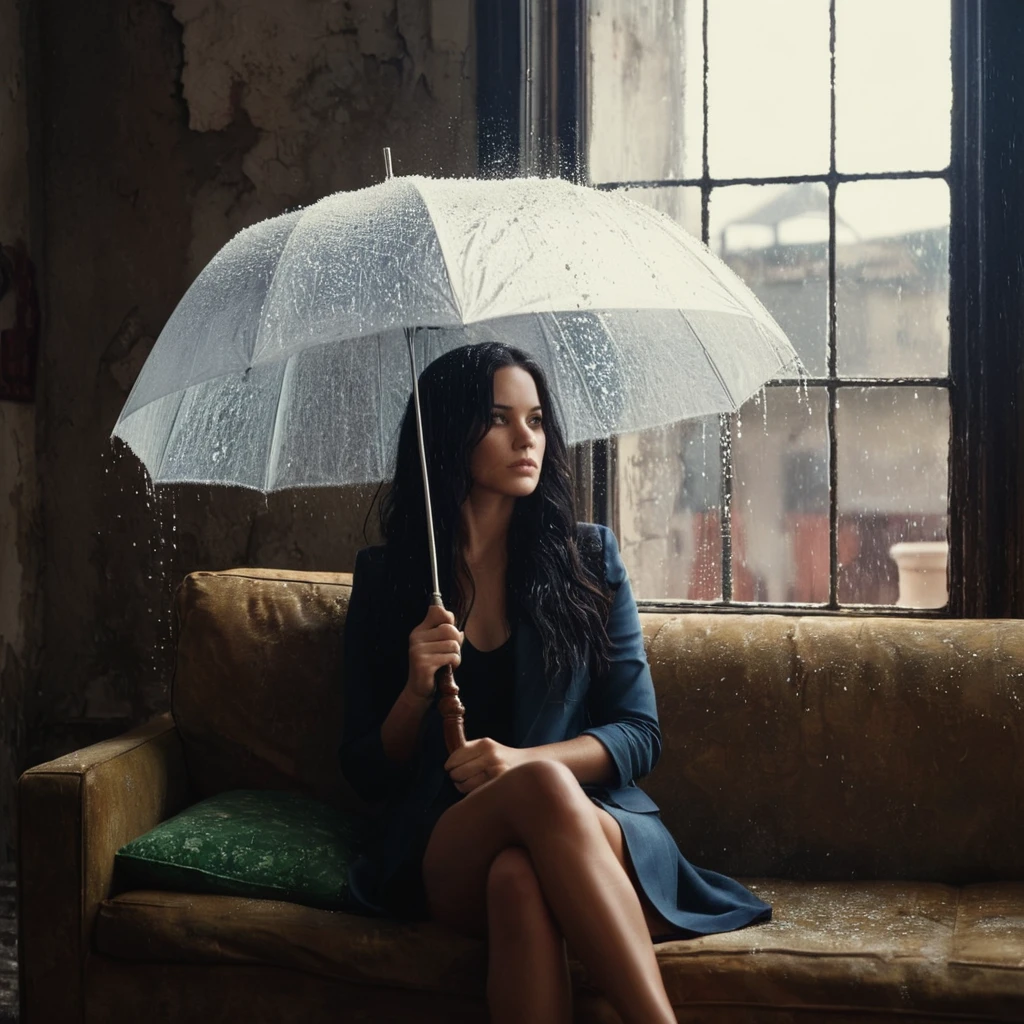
74,813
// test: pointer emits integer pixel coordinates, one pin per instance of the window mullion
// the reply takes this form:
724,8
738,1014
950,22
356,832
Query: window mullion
725,422
832,362
725,513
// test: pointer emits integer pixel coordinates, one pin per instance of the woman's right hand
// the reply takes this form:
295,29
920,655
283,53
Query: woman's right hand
434,643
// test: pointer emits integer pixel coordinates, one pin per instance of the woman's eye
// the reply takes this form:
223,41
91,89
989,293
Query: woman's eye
497,417
537,421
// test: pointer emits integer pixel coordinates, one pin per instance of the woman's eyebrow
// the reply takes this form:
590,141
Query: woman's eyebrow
498,405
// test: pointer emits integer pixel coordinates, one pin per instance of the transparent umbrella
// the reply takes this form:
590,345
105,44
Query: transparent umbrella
286,364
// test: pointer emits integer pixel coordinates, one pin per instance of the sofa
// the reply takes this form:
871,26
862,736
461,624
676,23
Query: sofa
865,775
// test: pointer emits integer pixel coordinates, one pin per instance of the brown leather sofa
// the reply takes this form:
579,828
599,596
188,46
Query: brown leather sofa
864,775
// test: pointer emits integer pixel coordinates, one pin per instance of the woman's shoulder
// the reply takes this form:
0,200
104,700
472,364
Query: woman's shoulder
598,546
369,566
597,530
370,557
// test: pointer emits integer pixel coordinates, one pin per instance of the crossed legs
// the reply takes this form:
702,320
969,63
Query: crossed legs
527,859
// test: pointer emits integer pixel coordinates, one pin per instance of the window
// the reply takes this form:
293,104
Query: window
891,257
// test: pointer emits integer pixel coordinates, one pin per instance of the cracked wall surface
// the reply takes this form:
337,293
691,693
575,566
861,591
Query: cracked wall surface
318,89
166,127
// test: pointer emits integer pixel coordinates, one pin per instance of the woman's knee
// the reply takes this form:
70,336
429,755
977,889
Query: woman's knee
516,908
548,792
512,881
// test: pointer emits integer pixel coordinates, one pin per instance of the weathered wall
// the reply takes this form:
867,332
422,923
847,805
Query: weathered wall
20,605
638,119
167,126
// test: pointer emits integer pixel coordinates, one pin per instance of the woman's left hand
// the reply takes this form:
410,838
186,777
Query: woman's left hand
480,761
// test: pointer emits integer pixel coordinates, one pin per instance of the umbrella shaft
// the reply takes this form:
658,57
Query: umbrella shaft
423,468
448,703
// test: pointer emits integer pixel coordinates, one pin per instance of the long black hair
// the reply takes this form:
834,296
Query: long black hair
546,578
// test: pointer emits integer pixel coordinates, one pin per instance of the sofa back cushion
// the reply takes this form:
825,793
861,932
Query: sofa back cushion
256,693
835,747
800,747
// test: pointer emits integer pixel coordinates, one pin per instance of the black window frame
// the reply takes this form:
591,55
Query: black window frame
532,66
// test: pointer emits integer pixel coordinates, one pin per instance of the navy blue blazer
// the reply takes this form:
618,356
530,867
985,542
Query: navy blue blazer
618,708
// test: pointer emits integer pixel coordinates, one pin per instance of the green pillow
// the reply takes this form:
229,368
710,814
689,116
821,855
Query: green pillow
266,844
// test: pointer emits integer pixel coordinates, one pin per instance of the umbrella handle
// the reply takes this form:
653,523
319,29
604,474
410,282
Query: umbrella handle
453,714
452,711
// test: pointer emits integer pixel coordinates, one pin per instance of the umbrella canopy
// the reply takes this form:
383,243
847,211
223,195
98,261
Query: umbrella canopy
286,365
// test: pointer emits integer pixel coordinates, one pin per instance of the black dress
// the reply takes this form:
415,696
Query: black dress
486,681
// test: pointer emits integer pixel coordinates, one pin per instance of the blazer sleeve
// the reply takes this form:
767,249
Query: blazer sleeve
621,702
369,690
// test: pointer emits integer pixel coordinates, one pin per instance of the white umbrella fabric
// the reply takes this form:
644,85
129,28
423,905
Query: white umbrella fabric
286,364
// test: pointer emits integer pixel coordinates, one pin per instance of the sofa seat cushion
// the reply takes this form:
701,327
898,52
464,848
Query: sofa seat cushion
893,947
170,927
876,946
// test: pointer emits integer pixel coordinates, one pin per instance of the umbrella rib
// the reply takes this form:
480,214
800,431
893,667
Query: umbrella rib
579,371
275,437
270,288
709,358
779,354
380,407
170,435
444,257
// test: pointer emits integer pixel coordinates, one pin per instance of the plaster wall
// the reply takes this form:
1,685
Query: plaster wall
640,82
166,127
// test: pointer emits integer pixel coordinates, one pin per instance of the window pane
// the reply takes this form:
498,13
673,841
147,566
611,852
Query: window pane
768,87
892,278
893,447
646,92
776,238
780,497
668,495
893,85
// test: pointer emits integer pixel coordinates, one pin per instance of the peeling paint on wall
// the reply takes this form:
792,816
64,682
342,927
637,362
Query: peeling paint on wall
316,82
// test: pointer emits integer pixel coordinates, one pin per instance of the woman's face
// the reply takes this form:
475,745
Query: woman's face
508,458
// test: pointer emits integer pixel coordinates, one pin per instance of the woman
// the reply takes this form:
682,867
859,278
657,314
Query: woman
533,834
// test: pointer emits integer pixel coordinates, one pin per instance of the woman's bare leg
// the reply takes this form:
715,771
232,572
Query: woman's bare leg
528,975
541,807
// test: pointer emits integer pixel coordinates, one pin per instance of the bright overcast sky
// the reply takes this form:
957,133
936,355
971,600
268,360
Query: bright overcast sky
768,100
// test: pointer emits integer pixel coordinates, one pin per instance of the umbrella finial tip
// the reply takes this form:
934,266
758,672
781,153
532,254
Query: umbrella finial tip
387,162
